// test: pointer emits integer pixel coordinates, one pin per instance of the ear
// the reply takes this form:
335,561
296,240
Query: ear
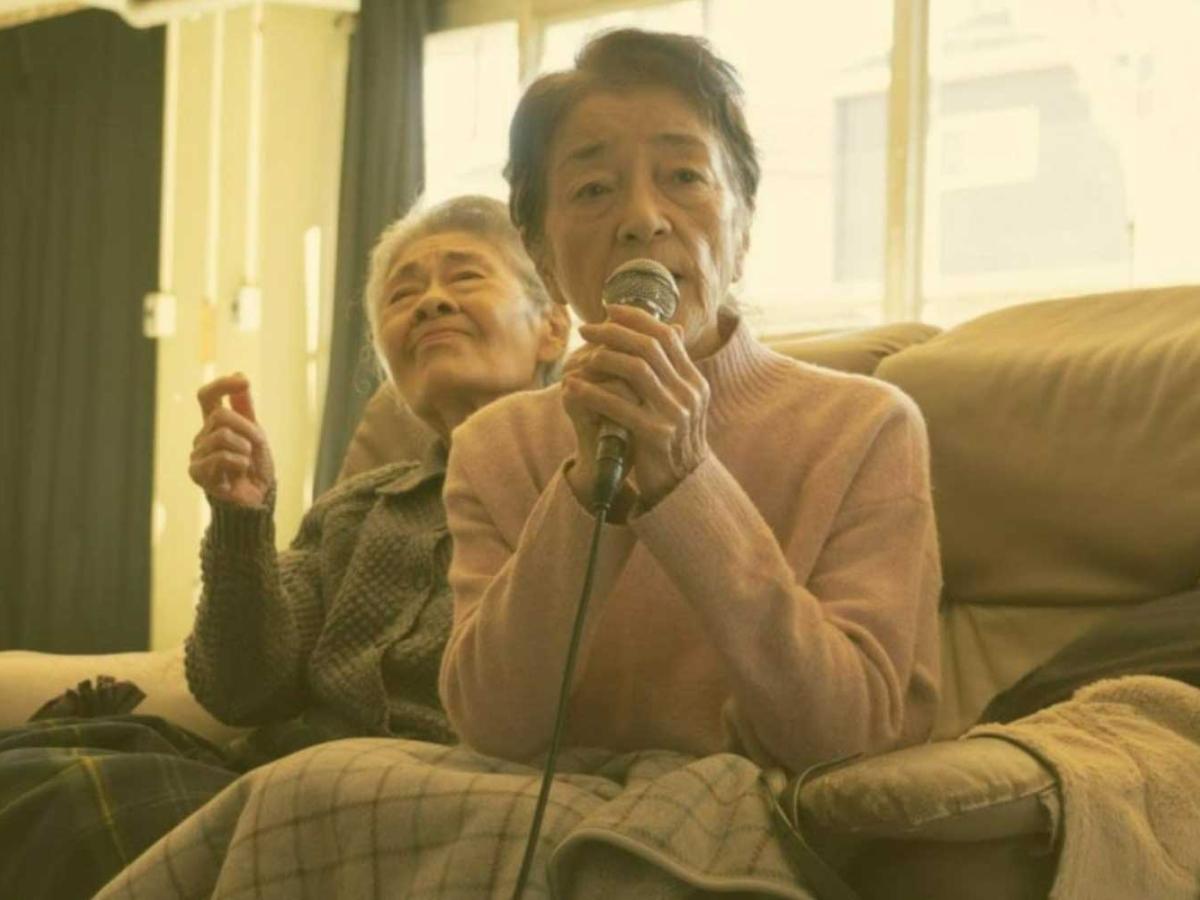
555,334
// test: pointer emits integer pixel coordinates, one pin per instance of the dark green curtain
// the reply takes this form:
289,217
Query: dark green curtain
382,174
80,157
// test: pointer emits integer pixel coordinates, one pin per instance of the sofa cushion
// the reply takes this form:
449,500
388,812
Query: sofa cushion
859,350
1161,637
1064,448
988,646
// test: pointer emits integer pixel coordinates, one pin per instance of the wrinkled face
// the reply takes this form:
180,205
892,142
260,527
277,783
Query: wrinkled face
456,326
638,174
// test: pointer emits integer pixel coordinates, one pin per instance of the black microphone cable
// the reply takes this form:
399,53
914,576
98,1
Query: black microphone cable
610,470
651,287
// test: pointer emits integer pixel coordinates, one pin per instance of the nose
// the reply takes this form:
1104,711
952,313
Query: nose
434,303
642,219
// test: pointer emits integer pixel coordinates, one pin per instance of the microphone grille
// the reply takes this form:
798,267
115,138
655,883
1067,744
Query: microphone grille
645,284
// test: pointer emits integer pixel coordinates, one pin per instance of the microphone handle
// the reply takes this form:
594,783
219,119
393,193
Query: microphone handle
610,464
612,441
612,444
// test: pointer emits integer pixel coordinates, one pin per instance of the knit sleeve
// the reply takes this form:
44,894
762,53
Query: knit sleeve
258,618
514,605
825,668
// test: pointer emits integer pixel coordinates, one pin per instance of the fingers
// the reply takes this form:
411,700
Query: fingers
222,437
224,418
215,471
585,399
635,374
211,394
242,404
649,355
633,331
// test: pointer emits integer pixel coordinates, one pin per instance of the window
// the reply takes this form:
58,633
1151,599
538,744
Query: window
561,38
816,104
1062,150
471,90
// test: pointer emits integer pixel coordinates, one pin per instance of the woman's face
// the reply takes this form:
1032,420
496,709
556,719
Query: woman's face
638,174
456,326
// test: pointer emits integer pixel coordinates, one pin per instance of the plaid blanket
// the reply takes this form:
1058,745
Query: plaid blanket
394,818
81,798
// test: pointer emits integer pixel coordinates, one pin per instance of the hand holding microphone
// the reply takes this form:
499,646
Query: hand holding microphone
654,421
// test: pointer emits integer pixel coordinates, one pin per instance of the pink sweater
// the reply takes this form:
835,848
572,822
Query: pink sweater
780,602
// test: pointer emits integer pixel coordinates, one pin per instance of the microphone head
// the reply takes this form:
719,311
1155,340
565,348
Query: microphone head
643,283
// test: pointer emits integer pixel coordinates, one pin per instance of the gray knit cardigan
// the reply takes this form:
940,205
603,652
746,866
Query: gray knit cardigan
352,618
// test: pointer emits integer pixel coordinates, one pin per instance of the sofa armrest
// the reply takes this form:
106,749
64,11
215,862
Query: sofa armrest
969,819
29,679
974,789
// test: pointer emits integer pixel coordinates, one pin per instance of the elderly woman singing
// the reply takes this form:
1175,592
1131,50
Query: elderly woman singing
768,583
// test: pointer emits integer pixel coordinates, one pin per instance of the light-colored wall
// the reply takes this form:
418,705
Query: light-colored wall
303,74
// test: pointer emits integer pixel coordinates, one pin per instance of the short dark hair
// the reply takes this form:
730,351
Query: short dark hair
620,60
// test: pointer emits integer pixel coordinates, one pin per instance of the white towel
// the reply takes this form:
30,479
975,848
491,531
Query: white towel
1127,754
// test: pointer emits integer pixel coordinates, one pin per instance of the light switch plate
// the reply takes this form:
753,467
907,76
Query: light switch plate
247,308
158,314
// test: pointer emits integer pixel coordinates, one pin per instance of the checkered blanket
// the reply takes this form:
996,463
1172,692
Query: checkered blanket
373,817
81,798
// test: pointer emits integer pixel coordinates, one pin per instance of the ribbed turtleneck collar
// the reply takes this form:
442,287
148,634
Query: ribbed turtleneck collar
741,373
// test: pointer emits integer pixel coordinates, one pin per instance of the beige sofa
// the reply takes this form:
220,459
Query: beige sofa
1067,484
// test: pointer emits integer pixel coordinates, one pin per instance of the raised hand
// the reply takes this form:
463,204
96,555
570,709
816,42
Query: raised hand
231,459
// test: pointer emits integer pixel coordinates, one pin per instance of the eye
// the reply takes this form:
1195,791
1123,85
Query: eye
401,294
467,275
687,176
590,191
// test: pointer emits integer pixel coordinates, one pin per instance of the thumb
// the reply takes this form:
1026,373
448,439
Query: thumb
242,404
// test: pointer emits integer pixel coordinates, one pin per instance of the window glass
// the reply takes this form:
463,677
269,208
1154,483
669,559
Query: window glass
816,85
1063,150
471,89
562,39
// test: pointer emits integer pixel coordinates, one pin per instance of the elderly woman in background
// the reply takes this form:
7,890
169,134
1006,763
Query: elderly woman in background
342,633
769,580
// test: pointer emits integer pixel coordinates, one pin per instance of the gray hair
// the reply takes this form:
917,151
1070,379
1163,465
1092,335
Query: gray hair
483,217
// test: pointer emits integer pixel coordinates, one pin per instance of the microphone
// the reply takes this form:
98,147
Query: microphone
649,286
